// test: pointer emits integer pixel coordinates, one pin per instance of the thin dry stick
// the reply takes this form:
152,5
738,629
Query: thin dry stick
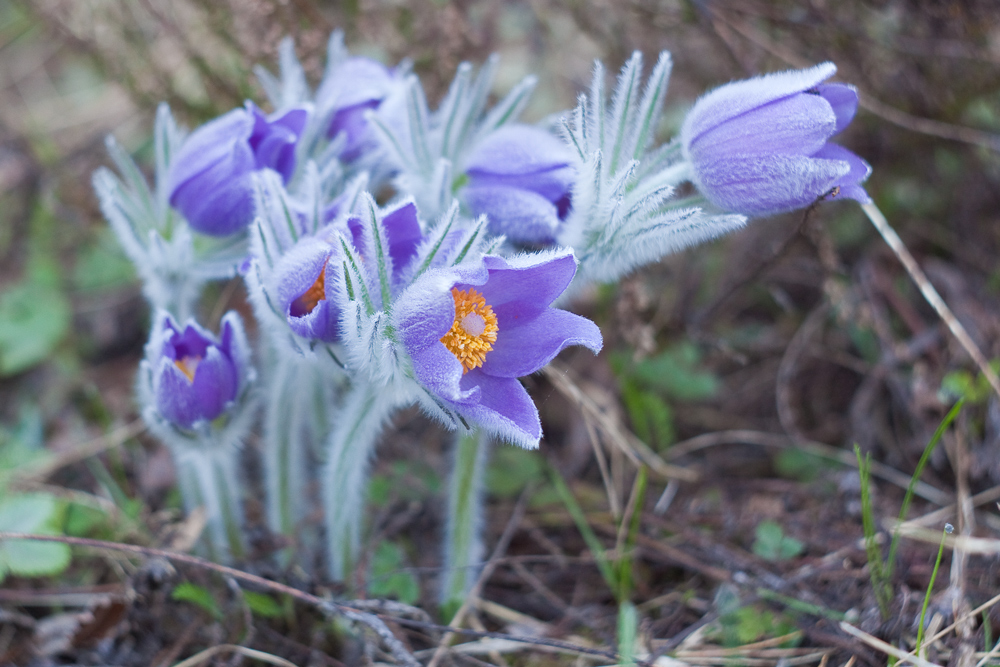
207,654
888,649
964,617
989,656
931,294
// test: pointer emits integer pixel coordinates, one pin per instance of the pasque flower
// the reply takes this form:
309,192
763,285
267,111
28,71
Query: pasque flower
520,177
348,91
196,376
761,146
472,330
210,179
308,276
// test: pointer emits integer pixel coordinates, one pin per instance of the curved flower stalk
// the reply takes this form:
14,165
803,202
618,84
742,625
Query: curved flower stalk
623,213
430,150
195,392
172,261
760,146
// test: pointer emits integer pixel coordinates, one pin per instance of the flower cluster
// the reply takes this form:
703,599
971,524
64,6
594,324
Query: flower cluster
395,255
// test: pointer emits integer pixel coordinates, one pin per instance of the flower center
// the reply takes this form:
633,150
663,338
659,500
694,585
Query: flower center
188,365
304,304
474,330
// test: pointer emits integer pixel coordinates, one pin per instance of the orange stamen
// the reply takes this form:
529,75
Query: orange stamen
304,304
188,366
474,330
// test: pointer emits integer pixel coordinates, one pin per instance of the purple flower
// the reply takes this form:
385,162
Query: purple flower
196,376
471,331
210,177
520,177
761,146
352,88
308,276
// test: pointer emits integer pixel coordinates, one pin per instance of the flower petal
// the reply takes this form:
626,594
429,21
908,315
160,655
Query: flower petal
441,372
850,187
527,283
214,384
844,101
733,99
765,184
402,227
211,144
521,215
504,409
795,125
219,200
516,150
525,345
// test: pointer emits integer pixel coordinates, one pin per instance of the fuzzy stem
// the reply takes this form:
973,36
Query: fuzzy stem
344,481
285,449
210,478
931,294
464,544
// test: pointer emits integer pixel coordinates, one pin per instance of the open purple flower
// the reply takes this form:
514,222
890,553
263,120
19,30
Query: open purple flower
351,89
471,331
520,177
196,376
210,177
761,146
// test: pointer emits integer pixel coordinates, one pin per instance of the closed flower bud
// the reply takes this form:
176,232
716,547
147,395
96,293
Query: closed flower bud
520,177
196,376
210,180
761,146
347,93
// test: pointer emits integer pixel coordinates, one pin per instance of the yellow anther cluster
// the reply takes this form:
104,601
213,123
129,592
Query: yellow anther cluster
474,330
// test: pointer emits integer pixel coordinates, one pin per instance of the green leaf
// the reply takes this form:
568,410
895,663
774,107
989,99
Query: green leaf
386,580
773,544
198,596
31,513
34,318
263,605
651,417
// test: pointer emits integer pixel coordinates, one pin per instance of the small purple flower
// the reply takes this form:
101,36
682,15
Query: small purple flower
196,376
306,277
210,177
351,89
471,331
520,177
761,146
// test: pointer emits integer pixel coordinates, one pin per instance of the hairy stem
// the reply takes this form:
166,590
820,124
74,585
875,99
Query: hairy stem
463,543
344,480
